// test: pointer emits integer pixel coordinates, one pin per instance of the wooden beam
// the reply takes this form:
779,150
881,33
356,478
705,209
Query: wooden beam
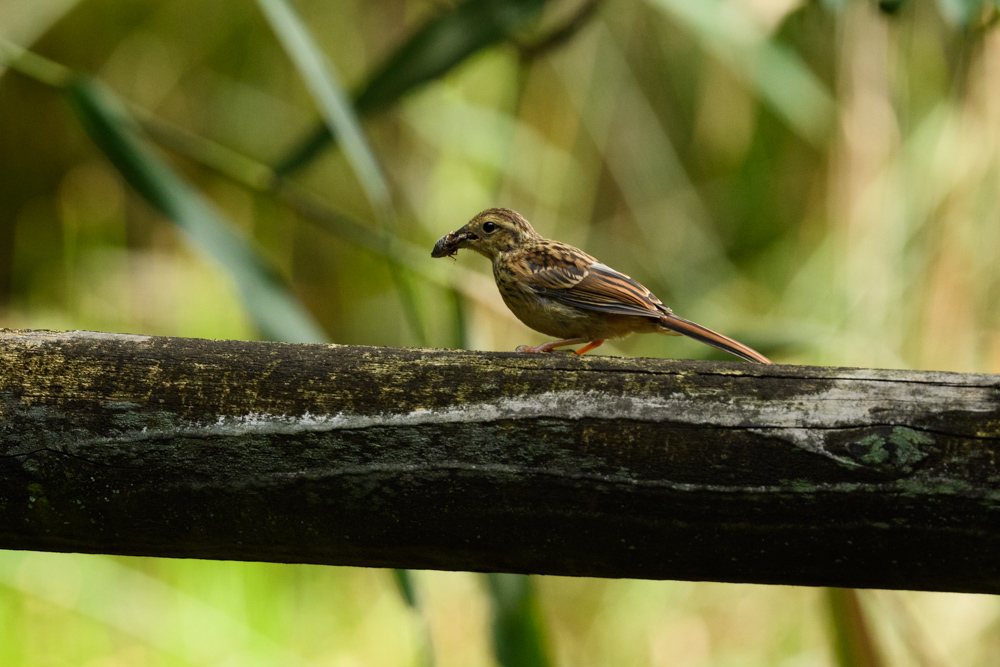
554,464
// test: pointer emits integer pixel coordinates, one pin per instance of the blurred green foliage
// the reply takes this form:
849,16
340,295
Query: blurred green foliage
277,314
818,179
517,639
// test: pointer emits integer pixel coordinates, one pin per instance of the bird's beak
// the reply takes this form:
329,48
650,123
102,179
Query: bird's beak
449,244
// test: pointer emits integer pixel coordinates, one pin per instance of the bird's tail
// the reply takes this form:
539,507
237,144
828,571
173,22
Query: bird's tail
709,337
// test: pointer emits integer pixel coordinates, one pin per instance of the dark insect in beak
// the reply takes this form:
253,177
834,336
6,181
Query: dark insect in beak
442,248
449,244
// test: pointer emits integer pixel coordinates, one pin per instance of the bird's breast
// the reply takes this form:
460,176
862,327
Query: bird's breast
562,320
538,312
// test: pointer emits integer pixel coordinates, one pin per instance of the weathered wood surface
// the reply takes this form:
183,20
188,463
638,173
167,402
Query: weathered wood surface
454,460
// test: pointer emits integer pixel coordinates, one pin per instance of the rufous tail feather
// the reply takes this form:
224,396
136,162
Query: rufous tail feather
709,337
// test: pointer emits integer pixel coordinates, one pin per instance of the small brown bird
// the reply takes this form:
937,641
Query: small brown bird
564,292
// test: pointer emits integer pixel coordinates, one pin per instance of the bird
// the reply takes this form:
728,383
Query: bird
561,291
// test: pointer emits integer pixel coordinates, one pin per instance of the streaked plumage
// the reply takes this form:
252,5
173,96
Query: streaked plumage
562,291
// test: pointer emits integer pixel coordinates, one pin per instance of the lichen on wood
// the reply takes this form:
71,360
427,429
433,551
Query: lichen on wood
420,458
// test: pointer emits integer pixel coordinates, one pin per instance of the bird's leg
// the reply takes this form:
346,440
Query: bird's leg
549,347
590,346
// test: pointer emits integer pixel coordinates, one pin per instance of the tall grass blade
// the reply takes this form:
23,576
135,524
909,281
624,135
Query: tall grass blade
853,640
32,65
259,177
340,118
438,45
408,590
517,630
271,307
334,105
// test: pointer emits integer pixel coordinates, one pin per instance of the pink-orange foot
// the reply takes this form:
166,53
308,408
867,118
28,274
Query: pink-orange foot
590,346
545,348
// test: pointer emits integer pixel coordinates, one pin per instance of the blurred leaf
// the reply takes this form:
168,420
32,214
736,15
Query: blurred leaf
407,588
561,34
114,588
258,177
890,6
33,65
404,581
961,12
517,633
340,119
780,77
329,95
443,42
854,642
271,307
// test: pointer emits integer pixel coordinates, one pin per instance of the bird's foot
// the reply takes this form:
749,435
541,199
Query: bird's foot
590,346
546,348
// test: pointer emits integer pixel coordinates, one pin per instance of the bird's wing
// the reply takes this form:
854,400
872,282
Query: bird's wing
570,276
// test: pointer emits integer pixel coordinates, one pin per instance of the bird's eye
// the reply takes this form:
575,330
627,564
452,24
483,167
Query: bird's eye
490,227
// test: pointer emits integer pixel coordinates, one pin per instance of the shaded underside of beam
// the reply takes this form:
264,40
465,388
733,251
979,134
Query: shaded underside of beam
549,464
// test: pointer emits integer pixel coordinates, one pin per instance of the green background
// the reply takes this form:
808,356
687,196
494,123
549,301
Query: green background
816,179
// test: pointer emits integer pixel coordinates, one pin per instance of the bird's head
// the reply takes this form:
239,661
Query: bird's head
491,233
